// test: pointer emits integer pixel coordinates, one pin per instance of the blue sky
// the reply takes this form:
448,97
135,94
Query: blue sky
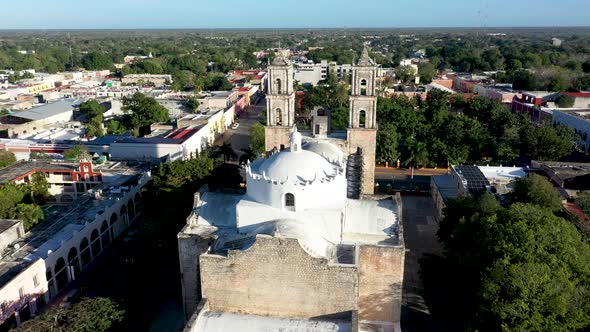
116,14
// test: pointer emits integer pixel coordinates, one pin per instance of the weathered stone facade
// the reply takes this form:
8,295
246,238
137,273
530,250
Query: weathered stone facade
276,137
276,277
381,273
364,139
280,103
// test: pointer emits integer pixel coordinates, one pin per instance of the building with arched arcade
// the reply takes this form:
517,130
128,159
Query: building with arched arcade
37,265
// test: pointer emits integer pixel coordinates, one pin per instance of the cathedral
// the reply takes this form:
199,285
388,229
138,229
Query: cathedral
307,247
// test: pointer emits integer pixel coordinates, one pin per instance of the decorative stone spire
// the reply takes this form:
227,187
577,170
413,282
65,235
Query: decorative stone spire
365,60
281,58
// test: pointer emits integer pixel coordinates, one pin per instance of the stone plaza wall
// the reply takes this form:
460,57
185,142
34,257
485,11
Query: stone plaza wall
276,277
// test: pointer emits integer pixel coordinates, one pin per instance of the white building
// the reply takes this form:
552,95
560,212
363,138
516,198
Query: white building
296,199
36,266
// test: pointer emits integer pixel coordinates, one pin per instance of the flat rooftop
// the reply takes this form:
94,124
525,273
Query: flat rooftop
222,321
446,186
47,110
60,223
19,169
177,136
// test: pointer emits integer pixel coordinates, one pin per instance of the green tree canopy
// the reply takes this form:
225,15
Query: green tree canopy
565,101
15,204
257,140
387,144
7,158
193,103
92,108
97,61
519,268
78,152
144,110
426,71
89,315
536,189
523,80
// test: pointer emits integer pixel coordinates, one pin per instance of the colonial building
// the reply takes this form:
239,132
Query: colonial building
297,250
358,143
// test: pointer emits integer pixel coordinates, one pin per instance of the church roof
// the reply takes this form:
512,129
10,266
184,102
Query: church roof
324,149
296,166
365,60
224,321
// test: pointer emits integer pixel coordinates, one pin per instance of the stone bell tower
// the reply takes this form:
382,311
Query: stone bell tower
362,128
280,102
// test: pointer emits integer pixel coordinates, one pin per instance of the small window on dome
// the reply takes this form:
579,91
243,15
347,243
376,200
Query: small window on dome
289,200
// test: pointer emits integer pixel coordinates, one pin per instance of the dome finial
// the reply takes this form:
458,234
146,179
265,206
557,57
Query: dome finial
295,140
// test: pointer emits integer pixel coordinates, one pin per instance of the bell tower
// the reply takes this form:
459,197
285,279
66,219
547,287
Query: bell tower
362,128
280,102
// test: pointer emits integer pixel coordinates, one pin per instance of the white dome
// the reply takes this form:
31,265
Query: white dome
324,149
296,166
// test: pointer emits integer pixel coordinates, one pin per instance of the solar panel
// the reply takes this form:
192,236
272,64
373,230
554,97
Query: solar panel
476,181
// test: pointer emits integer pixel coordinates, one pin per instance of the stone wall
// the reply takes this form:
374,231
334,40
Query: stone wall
193,240
276,136
381,272
366,140
276,277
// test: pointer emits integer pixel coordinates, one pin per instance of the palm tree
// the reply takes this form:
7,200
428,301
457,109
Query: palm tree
248,154
418,155
226,151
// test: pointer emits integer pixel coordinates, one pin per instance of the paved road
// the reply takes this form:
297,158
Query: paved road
382,173
420,230
240,138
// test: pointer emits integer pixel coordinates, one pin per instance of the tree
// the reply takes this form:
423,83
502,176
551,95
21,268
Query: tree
426,71
97,61
144,111
405,74
248,155
193,103
558,83
515,269
387,143
565,101
541,283
94,128
39,187
583,201
95,113
226,151
7,158
535,189
89,315
30,214
78,152
175,175
92,108
418,155
523,80
547,143
115,127
257,139
217,83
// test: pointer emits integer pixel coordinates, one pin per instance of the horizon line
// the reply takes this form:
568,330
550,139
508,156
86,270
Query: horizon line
305,28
